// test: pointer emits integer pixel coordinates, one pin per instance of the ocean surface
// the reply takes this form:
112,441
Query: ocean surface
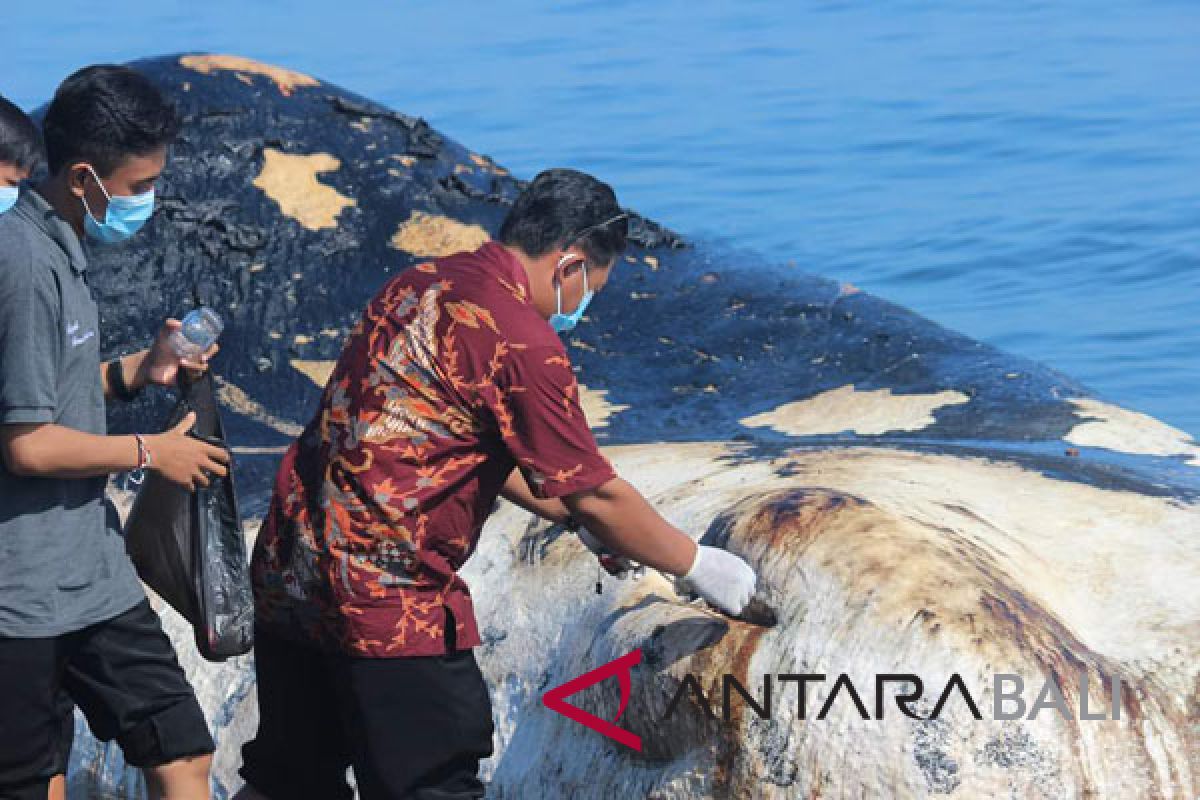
1027,173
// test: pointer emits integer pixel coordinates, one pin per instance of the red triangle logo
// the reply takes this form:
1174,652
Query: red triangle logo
554,698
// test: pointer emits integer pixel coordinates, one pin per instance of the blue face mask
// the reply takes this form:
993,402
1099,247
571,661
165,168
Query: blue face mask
8,197
124,217
561,322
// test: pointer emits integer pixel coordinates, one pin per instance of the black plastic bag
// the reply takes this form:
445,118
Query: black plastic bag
189,546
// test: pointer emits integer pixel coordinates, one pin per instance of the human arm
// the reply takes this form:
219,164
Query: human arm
623,520
131,372
516,490
56,451
543,426
32,443
158,364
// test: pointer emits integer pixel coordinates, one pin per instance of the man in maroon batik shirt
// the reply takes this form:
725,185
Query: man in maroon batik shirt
452,389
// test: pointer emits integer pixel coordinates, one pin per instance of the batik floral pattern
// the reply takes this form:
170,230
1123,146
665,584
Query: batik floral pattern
448,381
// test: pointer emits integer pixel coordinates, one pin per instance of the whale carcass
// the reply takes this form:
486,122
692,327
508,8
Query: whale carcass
916,503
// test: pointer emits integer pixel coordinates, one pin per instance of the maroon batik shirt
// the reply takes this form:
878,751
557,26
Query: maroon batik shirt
449,381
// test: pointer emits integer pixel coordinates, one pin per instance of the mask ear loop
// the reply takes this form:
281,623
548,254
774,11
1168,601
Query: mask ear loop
99,183
83,197
558,286
576,238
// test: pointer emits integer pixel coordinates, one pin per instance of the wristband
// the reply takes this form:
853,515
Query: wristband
116,382
137,475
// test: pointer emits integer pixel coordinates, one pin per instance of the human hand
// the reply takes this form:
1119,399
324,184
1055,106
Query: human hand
185,460
162,364
721,578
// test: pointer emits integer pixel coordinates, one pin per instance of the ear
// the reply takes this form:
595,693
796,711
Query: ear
78,176
561,263
569,262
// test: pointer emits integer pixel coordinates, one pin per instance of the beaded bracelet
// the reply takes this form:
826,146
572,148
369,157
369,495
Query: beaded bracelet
138,474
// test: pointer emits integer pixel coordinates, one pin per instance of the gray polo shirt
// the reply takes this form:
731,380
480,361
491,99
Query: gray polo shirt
63,564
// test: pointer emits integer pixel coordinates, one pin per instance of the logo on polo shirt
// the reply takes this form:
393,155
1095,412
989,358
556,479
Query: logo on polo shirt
78,340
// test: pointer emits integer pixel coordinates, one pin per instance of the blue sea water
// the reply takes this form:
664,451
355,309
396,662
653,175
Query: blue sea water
1025,172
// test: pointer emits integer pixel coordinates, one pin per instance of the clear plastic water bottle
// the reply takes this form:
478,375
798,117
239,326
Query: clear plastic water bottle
201,328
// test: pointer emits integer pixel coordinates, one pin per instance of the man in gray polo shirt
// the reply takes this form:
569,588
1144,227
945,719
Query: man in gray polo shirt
75,625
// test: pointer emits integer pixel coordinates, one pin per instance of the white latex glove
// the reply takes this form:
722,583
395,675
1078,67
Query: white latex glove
721,578
613,564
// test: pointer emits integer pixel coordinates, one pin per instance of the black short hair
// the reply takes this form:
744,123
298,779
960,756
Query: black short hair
20,143
103,115
557,206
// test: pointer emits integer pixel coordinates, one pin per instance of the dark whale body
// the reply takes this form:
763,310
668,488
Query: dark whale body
691,346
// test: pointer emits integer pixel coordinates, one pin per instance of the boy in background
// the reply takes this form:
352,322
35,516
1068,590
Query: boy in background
20,152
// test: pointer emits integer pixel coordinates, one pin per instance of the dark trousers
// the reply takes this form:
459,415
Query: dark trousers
122,673
413,727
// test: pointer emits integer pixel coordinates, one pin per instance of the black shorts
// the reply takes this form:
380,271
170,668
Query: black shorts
125,678
413,727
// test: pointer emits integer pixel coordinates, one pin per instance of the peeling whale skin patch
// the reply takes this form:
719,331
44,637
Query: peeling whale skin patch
292,182
865,413
432,236
287,80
